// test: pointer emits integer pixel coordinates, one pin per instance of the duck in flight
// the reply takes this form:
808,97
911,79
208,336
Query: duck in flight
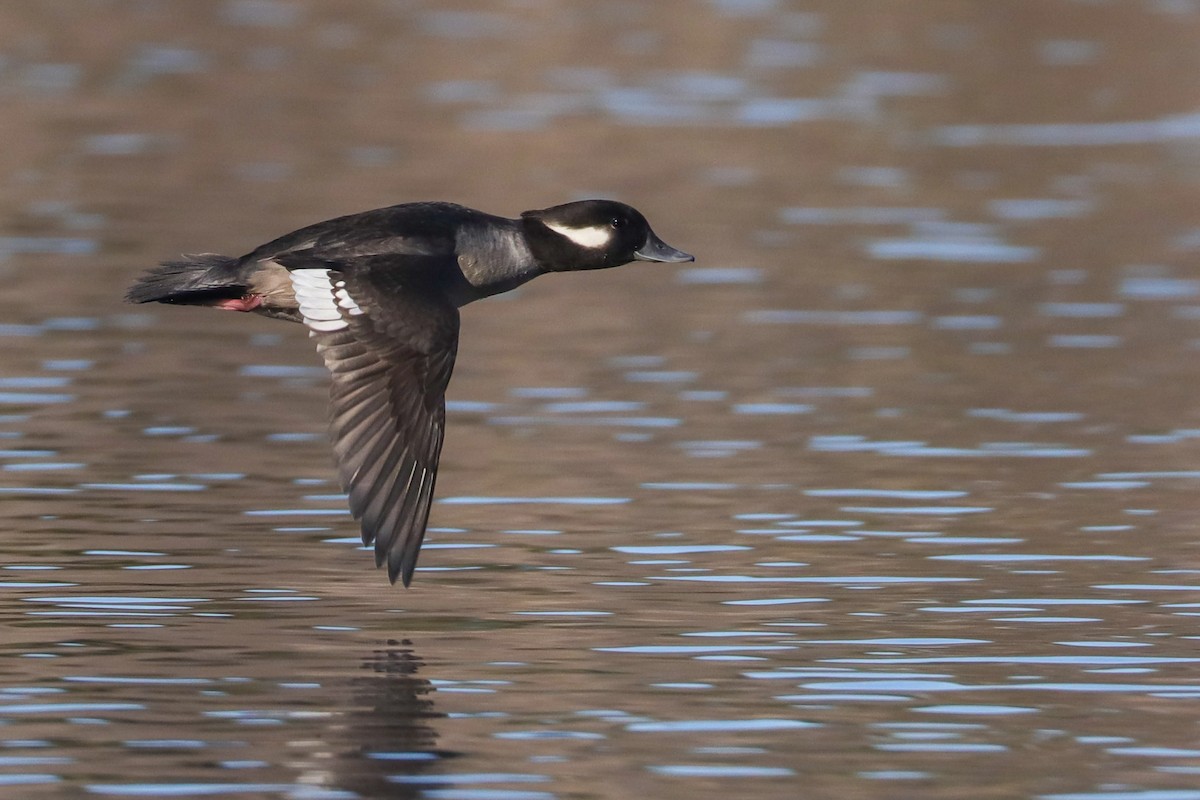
379,291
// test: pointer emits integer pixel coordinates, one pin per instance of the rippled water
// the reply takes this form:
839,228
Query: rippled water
891,494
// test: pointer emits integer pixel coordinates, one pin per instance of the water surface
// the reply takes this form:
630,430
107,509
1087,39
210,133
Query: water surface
890,494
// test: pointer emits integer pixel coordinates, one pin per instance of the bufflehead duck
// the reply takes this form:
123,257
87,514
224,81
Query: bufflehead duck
379,292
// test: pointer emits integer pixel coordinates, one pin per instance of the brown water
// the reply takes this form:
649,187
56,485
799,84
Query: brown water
892,494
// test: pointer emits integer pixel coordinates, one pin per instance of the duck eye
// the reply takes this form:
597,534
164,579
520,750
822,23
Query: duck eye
617,222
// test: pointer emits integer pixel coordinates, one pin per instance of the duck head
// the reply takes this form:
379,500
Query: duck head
594,234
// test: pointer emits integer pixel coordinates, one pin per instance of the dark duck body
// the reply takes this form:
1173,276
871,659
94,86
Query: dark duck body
379,292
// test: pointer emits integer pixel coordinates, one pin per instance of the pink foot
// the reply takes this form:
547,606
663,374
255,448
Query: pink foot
247,303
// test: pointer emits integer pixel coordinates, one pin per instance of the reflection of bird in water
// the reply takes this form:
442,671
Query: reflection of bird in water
386,731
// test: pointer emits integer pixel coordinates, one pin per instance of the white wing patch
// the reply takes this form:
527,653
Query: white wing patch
591,236
321,299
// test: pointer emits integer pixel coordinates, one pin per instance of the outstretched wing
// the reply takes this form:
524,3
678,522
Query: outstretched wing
389,340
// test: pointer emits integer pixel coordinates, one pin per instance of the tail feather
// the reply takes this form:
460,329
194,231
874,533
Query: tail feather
201,279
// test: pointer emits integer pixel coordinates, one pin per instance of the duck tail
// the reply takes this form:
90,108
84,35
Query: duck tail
198,280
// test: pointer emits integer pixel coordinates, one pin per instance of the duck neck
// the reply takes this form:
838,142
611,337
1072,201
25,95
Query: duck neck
494,259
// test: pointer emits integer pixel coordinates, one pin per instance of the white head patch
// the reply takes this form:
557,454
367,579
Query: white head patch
591,236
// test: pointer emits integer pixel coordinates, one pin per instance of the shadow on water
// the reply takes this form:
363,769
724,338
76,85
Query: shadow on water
372,734
385,740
